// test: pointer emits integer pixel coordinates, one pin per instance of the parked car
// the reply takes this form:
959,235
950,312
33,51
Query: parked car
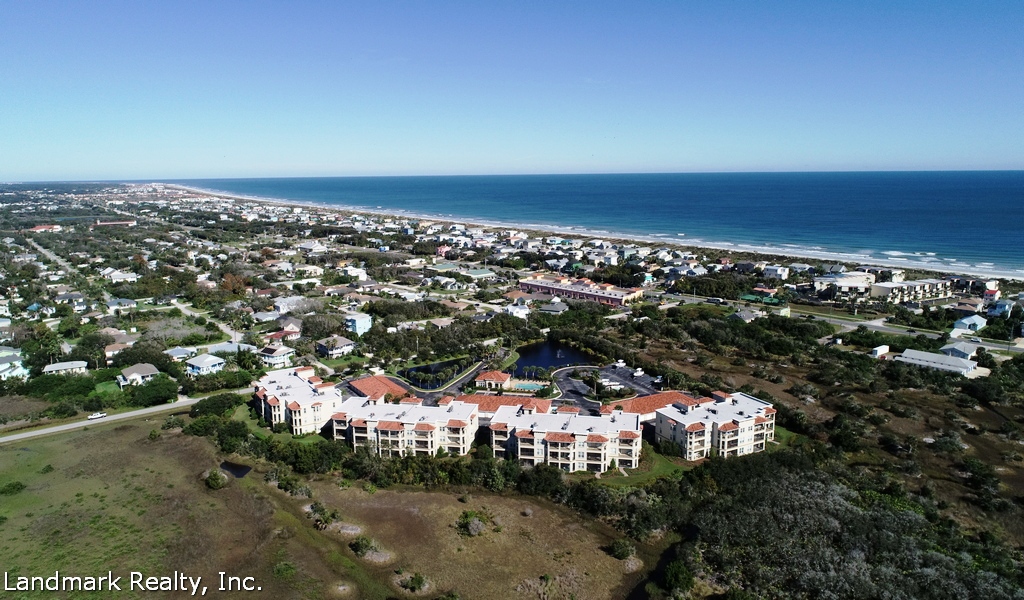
98,415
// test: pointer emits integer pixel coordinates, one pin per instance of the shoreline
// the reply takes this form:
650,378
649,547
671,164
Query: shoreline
668,240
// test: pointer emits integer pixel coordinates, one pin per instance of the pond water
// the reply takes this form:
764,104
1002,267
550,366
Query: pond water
549,354
237,471
435,375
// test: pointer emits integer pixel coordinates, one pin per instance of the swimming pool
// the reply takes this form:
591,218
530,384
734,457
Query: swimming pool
530,387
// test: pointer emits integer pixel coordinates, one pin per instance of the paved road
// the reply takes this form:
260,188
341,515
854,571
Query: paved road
133,414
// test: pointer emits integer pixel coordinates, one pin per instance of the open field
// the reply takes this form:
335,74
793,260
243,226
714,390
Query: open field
509,560
111,498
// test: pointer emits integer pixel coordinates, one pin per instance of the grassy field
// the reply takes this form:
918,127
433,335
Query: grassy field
110,497
658,466
548,554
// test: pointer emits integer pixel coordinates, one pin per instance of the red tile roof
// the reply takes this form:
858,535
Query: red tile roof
568,409
445,400
769,411
695,427
411,400
293,405
358,423
489,403
647,404
424,427
493,376
593,437
390,426
761,420
560,437
499,426
453,423
378,386
272,401
629,435
728,427
524,433
339,416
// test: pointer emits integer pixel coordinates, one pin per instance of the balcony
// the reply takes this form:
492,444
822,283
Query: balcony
594,457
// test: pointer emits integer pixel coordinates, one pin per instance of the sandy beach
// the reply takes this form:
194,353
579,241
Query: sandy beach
785,253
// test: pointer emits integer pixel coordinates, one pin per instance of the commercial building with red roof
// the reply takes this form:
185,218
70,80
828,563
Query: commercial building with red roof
378,387
493,380
725,424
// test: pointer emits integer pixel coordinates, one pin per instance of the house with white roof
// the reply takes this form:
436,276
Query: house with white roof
724,424
73,367
971,323
204,364
276,356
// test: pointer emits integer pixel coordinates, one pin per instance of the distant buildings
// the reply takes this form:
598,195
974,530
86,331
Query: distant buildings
579,289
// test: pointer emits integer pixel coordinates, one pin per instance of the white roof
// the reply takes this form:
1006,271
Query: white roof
293,385
609,425
72,364
737,407
936,361
205,360
407,414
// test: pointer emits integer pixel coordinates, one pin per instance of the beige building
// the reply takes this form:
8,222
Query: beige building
297,397
579,289
406,428
567,440
725,424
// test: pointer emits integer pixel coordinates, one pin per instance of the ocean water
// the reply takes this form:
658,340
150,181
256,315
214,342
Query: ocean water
971,221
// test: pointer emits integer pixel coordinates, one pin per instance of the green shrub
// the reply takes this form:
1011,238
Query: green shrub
622,549
12,488
216,480
362,545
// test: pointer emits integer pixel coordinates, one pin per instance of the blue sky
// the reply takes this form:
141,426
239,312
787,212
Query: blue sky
150,90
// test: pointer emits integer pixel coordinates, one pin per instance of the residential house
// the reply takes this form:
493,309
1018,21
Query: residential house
119,306
137,374
971,323
334,346
276,356
180,354
73,367
724,424
204,364
358,323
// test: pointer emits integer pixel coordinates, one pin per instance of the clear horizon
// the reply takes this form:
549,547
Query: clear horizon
128,91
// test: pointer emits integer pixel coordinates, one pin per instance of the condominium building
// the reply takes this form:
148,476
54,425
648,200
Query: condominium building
846,286
727,424
567,440
406,428
912,291
297,397
579,289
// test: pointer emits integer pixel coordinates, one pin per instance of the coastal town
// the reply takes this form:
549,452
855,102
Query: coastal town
411,338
